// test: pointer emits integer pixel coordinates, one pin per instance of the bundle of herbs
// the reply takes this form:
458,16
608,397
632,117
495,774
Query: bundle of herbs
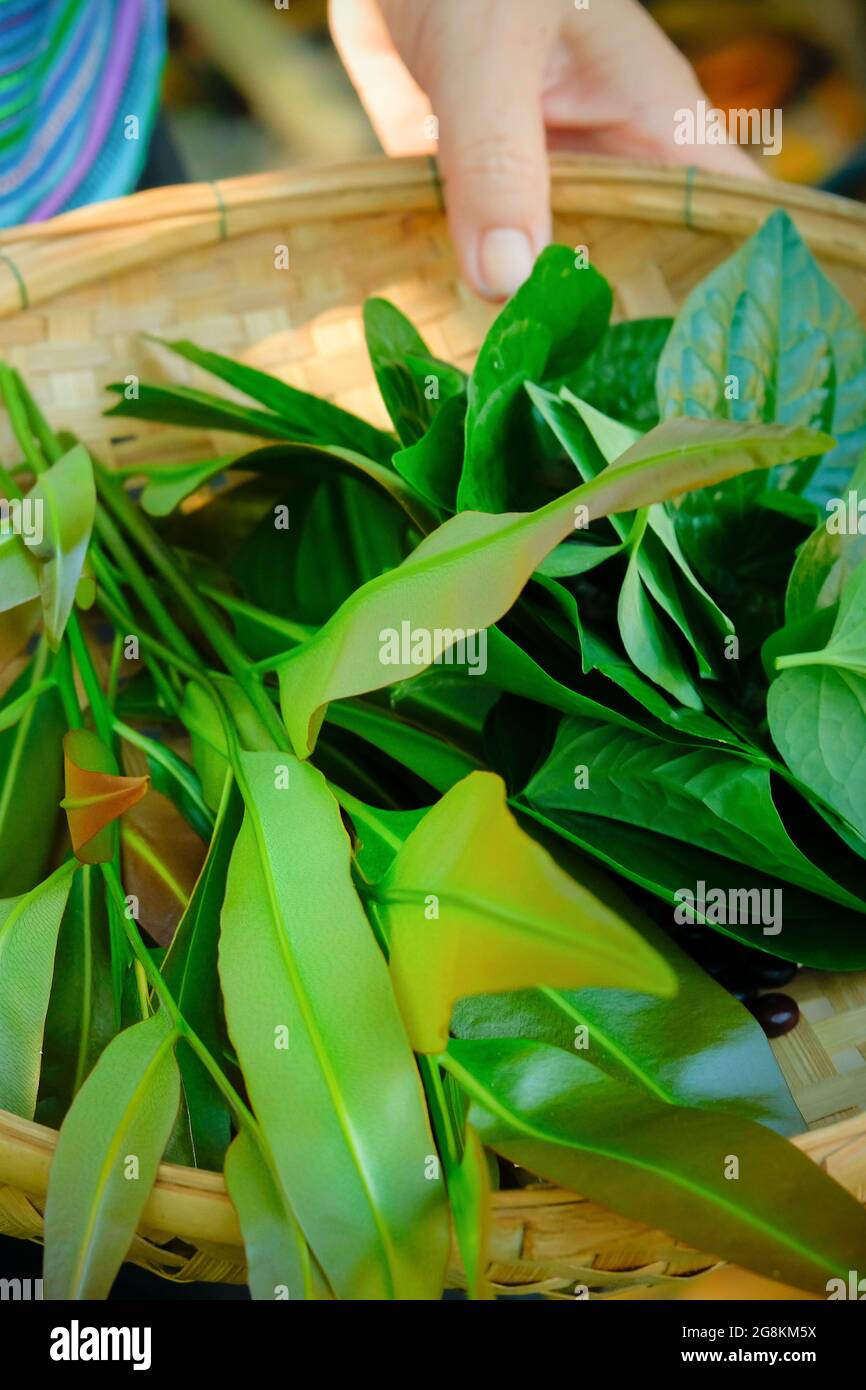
407,705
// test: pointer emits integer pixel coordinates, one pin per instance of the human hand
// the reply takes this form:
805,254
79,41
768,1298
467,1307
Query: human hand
506,81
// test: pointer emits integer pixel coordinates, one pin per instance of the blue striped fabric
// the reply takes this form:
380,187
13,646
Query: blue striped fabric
79,89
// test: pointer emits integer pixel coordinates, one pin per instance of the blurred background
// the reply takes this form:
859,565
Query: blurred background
250,86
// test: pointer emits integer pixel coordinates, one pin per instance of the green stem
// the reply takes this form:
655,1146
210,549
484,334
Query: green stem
12,397
123,619
95,694
819,658
66,686
143,588
150,543
167,1000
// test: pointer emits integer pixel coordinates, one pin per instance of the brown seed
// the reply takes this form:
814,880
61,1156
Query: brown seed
776,1013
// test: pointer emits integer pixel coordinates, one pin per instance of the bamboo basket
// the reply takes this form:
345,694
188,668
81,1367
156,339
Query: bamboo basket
199,261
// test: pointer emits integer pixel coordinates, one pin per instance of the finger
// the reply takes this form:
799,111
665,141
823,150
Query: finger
398,109
485,90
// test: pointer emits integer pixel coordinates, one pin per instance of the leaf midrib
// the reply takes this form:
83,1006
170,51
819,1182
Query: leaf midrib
515,1121
314,1033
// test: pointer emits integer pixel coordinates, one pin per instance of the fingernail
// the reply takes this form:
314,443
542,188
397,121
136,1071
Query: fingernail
505,260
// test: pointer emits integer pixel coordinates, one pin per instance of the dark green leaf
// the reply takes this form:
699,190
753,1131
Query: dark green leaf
80,1019
545,331
668,1166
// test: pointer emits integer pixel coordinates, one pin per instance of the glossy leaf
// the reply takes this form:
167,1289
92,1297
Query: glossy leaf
19,573
665,1165
67,495
105,1163
469,572
168,487
432,466
766,336
279,1264
377,1225
698,1047
28,940
470,1198
817,709
191,974
665,866
402,363
31,779
456,927
544,331
80,1019
704,796
303,416
619,376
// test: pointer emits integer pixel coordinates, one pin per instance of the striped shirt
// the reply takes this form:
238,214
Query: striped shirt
79,89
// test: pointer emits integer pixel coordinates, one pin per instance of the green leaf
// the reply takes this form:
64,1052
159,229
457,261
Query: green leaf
401,362
664,1165
168,487
664,866
846,649
31,783
80,1019
698,1047
302,415
428,755
770,322
19,573
433,465
342,532
619,376
376,1224
470,571
14,710
191,974
648,642
181,405
817,709
96,1194
817,717
28,939
469,1195
823,566
279,1264
67,495
544,331
707,797
489,933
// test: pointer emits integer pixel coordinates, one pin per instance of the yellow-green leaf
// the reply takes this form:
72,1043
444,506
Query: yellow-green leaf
474,906
106,1160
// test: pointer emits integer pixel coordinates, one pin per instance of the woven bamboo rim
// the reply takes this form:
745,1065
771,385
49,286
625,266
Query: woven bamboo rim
65,294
